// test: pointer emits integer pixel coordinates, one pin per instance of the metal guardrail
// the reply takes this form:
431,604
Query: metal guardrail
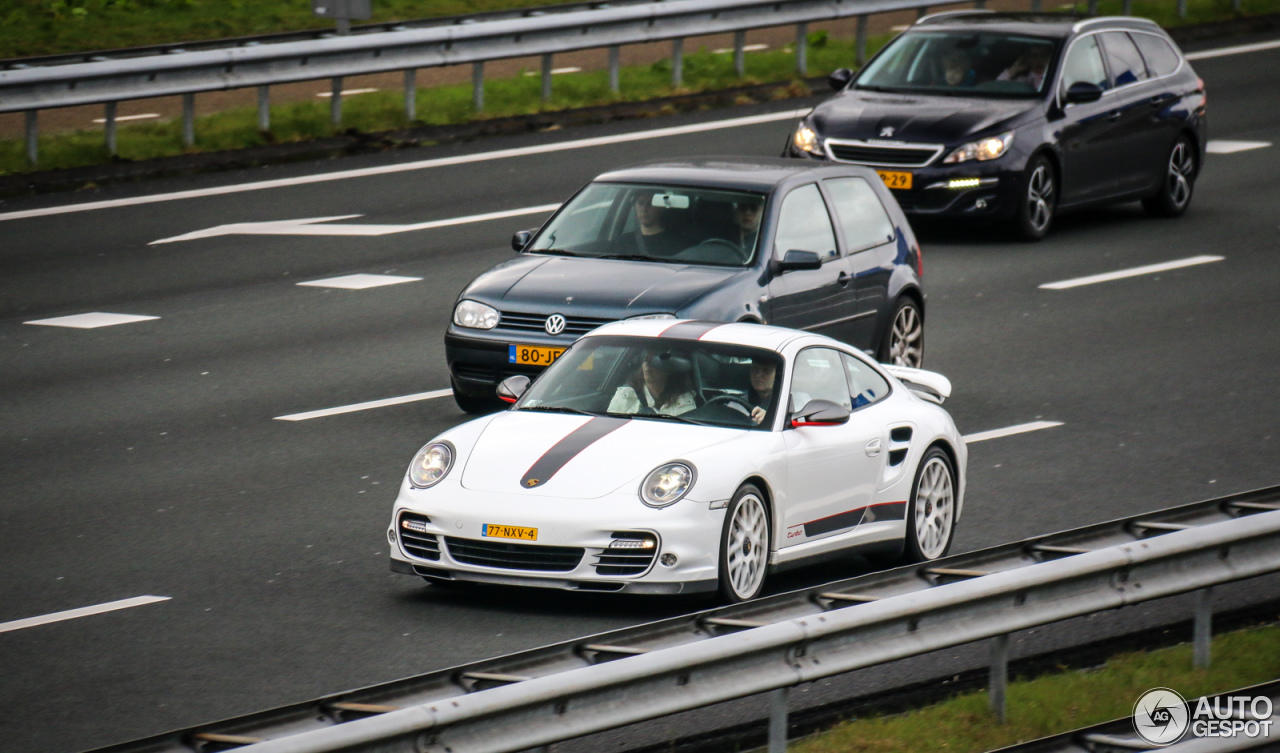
1118,736
609,680
30,87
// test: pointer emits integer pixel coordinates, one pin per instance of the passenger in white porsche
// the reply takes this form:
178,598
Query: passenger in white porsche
761,394
663,380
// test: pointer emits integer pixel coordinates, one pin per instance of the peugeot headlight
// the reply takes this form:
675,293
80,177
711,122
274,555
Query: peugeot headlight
475,315
431,464
667,484
806,139
982,150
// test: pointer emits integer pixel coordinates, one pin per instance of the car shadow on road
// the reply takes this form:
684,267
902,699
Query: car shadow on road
1065,227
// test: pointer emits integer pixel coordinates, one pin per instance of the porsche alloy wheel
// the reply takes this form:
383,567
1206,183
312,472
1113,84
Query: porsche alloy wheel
744,546
932,518
903,342
1174,195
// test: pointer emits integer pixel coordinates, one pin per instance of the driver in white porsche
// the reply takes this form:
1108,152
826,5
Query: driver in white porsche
663,380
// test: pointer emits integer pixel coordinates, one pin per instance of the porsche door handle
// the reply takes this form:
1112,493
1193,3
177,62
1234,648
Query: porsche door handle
873,448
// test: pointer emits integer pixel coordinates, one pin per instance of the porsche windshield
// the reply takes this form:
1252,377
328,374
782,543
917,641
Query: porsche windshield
661,379
656,223
960,63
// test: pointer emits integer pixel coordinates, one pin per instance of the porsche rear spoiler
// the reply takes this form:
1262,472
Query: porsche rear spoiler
929,385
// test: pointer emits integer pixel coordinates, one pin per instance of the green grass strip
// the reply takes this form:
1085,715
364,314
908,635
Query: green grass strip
1058,702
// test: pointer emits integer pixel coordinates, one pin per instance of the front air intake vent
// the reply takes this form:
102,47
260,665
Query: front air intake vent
508,556
630,553
414,538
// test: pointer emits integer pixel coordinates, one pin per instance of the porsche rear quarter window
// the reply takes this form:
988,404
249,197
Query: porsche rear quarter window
865,385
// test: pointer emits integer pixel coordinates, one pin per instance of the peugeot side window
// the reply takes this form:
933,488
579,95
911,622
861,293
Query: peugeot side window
1084,65
1126,64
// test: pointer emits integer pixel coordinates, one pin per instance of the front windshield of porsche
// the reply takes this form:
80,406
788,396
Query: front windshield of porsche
656,223
962,63
661,379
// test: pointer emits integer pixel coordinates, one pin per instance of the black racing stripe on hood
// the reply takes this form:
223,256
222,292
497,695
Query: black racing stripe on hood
689,330
568,448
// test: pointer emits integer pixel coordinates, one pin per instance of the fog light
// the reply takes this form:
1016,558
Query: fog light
980,204
668,560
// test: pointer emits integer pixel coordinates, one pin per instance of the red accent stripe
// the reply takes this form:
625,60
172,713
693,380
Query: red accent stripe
846,512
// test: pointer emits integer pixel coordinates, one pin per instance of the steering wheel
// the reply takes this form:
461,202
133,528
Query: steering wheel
738,251
733,401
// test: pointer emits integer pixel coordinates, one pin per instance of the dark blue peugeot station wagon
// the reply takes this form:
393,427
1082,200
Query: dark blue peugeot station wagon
1012,117
823,248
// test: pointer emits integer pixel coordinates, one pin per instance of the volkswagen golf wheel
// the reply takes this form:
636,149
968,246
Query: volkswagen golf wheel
903,341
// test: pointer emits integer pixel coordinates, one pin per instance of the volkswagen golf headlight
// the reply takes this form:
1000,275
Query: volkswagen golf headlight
666,484
475,315
431,464
982,150
806,139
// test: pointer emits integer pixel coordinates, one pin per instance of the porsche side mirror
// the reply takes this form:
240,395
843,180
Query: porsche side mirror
795,259
520,240
512,388
1083,91
839,78
820,413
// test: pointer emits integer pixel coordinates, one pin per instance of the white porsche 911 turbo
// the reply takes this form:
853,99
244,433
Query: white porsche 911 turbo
660,456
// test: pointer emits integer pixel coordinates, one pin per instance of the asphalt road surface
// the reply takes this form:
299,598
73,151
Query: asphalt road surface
146,458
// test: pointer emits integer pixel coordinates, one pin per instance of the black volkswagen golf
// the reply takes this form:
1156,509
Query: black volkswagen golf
818,247
1013,117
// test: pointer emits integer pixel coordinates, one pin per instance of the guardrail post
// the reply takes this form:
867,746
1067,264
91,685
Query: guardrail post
802,49
264,108
1202,629
862,41
740,53
546,77
1035,6
109,125
615,54
477,86
33,137
1127,8
677,63
1235,6
335,101
1182,8
980,4
1093,7
999,682
188,119
410,94
778,720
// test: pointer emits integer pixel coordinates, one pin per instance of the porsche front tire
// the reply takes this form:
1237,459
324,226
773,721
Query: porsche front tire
744,546
931,516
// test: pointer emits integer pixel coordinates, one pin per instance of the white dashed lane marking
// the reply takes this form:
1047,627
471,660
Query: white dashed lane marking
359,282
91,320
1135,272
365,406
983,436
72,614
1231,147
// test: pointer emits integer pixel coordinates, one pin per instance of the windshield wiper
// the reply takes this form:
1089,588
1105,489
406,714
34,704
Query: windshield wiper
559,409
553,252
869,87
630,257
666,417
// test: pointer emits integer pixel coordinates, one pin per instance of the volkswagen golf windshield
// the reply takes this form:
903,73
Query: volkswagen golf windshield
965,64
662,379
656,223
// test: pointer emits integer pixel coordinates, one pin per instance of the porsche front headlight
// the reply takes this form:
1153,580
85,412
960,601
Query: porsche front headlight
982,150
806,139
431,464
666,484
475,315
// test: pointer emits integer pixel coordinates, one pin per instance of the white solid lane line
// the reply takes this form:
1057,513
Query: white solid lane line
72,614
1223,51
983,436
1136,271
464,159
365,406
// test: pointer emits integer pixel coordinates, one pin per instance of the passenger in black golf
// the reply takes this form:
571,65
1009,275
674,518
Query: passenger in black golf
747,212
660,385
655,233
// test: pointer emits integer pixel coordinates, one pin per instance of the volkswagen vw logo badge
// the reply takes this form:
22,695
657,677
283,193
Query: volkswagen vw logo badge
555,324
886,132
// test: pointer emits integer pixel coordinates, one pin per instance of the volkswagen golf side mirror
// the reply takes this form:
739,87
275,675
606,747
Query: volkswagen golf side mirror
840,78
520,240
796,259
512,388
1083,91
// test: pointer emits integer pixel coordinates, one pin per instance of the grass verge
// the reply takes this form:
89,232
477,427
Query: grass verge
1056,702
378,112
